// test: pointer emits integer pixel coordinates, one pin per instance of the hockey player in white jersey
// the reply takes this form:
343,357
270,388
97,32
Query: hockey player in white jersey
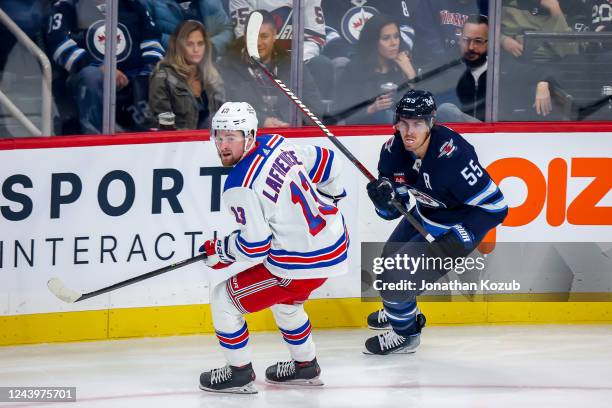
283,198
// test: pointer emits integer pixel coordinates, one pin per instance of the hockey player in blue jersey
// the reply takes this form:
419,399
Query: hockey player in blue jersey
435,172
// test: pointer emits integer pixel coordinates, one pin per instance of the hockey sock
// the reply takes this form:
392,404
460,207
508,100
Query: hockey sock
230,327
295,327
402,317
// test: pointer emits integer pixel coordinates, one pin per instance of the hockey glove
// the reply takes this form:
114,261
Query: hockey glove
217,253
456,242
381,193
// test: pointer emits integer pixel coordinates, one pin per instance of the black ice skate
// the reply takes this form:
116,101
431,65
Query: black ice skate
229,379
378,320
294,373
392,343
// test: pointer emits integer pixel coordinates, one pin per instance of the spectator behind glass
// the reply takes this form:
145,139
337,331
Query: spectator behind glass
472,85
379,60
28,15
319,65
245,83
519,74
186,81
282,10
76,42
167,14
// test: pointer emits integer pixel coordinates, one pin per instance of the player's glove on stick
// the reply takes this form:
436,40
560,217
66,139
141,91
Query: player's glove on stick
217,253
456,242
381,193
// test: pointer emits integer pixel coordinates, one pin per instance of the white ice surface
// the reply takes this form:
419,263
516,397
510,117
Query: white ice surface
456,366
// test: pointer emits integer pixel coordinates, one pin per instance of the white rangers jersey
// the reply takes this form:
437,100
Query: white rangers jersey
314,22
273,193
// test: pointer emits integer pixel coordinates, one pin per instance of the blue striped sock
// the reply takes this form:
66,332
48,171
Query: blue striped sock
402,316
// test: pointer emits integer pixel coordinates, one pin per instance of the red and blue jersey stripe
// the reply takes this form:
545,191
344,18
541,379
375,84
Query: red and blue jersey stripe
297,336
234,340
254,249
322,166
247,169
329,256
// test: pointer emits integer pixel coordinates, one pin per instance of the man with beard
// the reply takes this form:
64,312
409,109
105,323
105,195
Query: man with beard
472,86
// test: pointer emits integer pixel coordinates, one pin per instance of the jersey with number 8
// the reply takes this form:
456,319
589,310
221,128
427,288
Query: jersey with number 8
275,195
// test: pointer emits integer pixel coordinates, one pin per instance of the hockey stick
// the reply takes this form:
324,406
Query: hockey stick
252,33
56,286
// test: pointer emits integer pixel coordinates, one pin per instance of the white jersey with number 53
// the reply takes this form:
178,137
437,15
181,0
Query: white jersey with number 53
276,195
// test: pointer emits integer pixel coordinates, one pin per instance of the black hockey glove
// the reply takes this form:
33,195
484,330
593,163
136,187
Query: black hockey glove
381,193
457,242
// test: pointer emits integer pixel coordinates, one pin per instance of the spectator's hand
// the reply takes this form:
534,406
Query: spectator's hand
274,123
405,64
600,28
543,104
552,6
122,80
513,46
383,102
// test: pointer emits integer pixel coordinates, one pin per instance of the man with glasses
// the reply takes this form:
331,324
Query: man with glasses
472,85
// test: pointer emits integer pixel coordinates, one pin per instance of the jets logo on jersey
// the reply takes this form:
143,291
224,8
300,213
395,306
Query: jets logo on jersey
354,20
447,149
426,199
282,19
96,41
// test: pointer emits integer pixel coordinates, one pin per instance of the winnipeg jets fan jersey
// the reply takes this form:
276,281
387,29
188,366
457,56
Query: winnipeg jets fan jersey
273,193
449,184
76,35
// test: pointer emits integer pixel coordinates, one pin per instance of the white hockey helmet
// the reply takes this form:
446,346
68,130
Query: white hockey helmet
236,116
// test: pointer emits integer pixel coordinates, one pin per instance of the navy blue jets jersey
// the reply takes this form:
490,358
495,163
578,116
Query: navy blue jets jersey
76,35
449,184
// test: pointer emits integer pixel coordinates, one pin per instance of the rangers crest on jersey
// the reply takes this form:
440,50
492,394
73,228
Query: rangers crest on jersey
426,199
96,41
447,149
353,21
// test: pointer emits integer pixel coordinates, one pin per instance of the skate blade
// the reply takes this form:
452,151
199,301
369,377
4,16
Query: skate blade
379,328
400,351
313,382
245,389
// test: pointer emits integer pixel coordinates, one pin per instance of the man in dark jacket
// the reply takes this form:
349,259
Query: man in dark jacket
472,85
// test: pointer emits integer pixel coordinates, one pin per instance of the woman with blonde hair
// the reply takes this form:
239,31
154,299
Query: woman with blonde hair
186,81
